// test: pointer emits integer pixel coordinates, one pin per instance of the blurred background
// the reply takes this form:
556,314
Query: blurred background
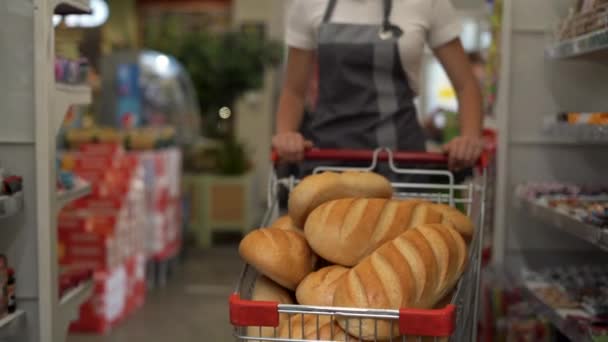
185,92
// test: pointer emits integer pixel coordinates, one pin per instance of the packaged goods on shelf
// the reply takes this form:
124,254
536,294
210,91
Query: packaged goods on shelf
69,71
137,139
8,299
577,295
11,195
586,17
587,204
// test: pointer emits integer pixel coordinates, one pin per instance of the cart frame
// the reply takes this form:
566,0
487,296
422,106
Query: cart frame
456,322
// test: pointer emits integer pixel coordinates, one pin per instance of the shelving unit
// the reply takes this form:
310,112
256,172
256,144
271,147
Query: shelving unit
516,266
66,96
33,106
537,78
69,304
583,134
565,223
66,7
559,318
9,325
588,44
66,196
11,205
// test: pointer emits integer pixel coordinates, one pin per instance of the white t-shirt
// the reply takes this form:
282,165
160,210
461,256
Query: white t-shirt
433,22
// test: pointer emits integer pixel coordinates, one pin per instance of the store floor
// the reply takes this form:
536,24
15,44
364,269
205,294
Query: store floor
192,308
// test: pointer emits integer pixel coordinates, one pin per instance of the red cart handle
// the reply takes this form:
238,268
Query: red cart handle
368,155
416,322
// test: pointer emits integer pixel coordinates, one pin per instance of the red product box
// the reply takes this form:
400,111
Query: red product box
91,175
102,149
136,292
107,205
83,221
85,162
108,305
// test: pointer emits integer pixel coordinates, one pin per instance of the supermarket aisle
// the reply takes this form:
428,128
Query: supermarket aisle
193,308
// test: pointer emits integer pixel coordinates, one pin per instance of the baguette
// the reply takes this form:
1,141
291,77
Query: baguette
266,290
318,288
414,270
281,255
317,189
347,230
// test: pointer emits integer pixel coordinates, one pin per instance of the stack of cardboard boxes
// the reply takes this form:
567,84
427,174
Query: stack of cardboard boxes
110,230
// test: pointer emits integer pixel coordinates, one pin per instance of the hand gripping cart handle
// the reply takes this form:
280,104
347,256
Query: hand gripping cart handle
456,321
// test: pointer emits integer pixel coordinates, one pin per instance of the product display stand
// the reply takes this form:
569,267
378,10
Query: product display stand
541,78
32,106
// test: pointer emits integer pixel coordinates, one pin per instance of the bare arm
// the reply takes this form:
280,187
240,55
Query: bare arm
293,92
464,150
288,142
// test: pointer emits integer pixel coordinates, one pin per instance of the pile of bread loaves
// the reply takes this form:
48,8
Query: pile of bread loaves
347,243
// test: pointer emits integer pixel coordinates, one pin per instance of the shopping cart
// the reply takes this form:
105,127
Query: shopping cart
455,322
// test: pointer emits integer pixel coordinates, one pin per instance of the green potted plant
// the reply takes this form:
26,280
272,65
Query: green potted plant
222,66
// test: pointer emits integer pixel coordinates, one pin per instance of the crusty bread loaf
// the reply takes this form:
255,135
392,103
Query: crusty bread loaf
266,290
285,223
317,189
318,288
413,270
281,255
313,328
344,231
461,222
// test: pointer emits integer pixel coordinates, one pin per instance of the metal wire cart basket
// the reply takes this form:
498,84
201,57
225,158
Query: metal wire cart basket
454,322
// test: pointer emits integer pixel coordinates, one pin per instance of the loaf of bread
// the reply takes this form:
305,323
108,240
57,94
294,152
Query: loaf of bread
282,255
414,270
313,328
317,189
265,290
345,231
285,223
318,288
461,222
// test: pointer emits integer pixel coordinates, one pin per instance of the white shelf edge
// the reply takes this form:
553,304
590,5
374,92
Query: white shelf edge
594,235
586,44
7,324
69,305
67,95
11,205
66,196
66,7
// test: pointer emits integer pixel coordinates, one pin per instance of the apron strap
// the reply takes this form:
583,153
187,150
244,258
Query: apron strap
386,19
329,11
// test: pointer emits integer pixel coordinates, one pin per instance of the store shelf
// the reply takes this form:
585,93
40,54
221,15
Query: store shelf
81,189
69,305
11,205
10,325
66,96
563,222
66,7
587,44
590,134
517,266
559,318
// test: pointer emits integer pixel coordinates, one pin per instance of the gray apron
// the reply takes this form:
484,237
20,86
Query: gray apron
365,99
